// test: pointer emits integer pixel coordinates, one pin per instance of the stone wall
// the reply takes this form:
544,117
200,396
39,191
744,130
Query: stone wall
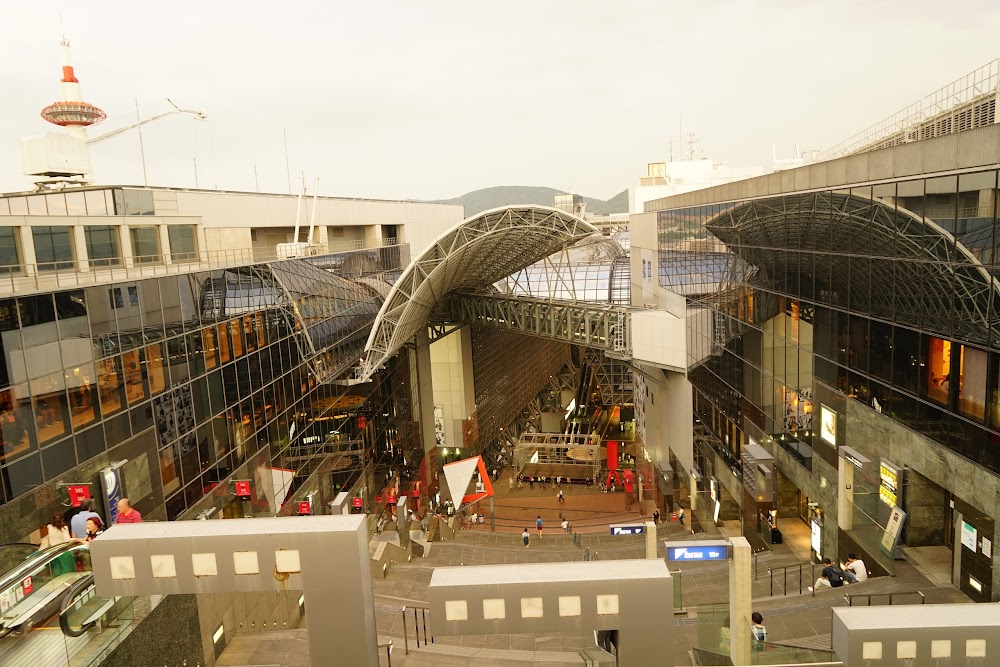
168,636
878,436
926,504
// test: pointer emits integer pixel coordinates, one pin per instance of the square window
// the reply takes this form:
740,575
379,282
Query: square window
204,565
494,609
163,566
906,650
871,651
531,607
940,648
569,605
122,567
607,605
456,610
287,561
245,562
975,648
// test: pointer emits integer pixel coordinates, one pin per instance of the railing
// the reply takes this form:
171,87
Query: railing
82,272
388,651
420,615
868,597
781,573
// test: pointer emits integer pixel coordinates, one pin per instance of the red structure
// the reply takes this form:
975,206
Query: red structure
71,111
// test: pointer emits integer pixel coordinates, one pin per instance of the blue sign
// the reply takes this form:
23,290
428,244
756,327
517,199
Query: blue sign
628,529
697,553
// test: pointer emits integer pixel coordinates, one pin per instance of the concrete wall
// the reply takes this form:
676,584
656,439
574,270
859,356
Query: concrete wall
973,148
454,391
241,612
875,436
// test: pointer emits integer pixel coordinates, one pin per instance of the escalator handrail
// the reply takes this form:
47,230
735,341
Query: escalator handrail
75,589
36,560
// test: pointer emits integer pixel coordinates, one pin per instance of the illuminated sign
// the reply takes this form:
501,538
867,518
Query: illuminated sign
305,508
627,529
111,484
828,425
356,501
697,551
242,489
817,539
895,526
969,534
888,483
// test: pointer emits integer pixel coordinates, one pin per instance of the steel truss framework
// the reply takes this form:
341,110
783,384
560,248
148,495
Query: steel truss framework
473,255
591,325
852,246
613,377
577,455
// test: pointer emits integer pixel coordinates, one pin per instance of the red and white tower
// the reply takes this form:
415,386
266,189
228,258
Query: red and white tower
62,158
72,112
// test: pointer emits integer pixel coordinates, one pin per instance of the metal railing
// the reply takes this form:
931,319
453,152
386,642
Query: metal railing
891,596
781,573
420,615
388,651
84,272
913,123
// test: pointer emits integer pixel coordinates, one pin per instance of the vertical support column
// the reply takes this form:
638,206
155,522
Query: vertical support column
693,486
468,375
164,244
26,243
845,494
80,248
125,243
679,419
650,539
425,394
740,599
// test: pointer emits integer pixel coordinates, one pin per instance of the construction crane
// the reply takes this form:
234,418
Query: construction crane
198,115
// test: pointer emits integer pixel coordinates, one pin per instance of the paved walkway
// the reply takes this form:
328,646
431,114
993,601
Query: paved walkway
793,618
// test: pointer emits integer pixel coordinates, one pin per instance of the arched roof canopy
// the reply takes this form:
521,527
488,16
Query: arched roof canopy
472,255
864,256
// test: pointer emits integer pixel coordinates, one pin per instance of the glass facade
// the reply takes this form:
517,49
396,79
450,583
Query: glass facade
227,367
885,293
53,248
102,245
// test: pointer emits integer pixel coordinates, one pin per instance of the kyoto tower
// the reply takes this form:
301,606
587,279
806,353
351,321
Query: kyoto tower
72,112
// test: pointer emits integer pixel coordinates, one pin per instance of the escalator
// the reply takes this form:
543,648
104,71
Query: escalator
33,590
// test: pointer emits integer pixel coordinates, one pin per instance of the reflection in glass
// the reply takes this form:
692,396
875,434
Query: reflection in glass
972,382
102,245
53,248
110,385
51,409
135,389
145,245
208,338
155,368
224,343
10,261
82,395
168,469
16,422
237,337
938,369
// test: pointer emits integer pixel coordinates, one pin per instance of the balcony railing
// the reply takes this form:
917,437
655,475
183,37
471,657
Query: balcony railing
24,278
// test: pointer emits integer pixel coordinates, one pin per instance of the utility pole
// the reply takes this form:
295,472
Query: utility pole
142,149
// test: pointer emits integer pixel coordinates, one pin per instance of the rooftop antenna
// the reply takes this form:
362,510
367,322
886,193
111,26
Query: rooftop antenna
312,218
298,207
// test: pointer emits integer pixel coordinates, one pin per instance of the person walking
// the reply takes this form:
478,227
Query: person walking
57,532
525,538
560,497
758,632
656,516
531,482
127,513
538,525
680,516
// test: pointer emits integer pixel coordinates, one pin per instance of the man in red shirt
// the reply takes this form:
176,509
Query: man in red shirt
127,513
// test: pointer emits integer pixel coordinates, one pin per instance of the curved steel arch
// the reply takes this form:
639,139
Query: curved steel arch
472,255
851,245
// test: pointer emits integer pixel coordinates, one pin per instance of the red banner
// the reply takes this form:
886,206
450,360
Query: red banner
243,489
356,502
305,507
77,494
27,586
392,499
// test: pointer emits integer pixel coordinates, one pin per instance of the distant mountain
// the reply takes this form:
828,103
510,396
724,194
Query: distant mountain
507,195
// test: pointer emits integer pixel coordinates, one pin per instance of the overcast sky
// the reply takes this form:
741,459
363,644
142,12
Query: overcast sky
433,98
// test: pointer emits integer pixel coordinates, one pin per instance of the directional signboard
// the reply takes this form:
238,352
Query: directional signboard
627,528
697,551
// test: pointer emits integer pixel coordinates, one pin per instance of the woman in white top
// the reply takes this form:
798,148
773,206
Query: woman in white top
57,532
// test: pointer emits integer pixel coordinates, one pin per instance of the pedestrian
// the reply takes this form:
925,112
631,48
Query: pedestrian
520,482
531,482
474,520
127,513
510,484
855,569
560,496
656,516
57,532
78,524
680,516
829,577
93,529
525,537
538,525
565,525
758,632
